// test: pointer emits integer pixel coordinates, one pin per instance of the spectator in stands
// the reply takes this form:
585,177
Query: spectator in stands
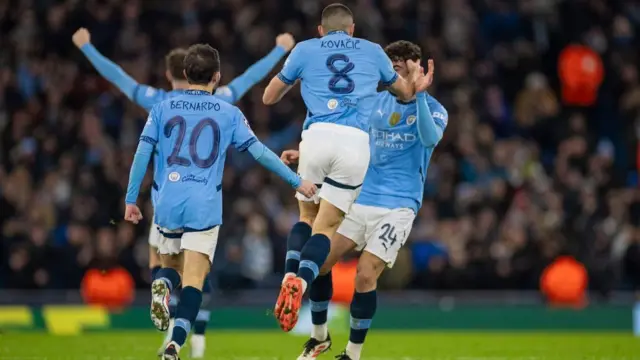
519,178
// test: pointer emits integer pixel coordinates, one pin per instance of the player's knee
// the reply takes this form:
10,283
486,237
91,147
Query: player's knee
194,277
154,258
173,261
366,276
196,269
308,212
308,219
328,225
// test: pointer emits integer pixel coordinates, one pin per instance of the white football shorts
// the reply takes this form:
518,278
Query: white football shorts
172,242
336,158
154,236
378,231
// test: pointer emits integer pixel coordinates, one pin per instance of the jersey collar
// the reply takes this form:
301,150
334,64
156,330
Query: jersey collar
196,92
405,102
335,32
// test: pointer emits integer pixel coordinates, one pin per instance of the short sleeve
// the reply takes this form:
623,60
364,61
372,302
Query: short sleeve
385,67
226,94
151,132
146,96
292,69
243,136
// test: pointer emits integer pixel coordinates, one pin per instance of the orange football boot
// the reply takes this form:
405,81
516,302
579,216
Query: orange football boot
289,303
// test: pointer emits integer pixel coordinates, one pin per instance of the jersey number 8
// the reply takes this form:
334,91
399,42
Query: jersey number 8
340,75
175,158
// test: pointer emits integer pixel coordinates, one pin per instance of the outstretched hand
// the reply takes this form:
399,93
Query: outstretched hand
422,81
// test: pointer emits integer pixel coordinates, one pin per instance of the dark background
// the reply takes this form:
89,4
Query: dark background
518,179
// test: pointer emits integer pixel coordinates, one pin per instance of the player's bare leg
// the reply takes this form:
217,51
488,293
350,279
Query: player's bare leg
320,295
167,279
313,255
154,261
195,269
363,305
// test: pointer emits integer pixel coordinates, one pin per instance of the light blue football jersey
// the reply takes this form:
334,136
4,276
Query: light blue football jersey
147,96
339,77
399,161
191,133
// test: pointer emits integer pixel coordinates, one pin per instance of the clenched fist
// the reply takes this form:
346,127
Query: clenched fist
286,41
81,37
132,213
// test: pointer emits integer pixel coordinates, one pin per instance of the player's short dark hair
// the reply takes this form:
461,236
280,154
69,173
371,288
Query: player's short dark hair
403,50
201,63
336,17
174,61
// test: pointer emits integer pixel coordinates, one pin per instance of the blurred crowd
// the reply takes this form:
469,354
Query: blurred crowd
520,177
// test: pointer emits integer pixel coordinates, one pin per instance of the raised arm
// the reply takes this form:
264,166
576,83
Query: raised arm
286,78
106,68
114,73
256,72
429,132
403,88
432,120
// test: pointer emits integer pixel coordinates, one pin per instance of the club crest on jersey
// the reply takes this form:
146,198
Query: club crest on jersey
394,119
332,104
174,176
411,119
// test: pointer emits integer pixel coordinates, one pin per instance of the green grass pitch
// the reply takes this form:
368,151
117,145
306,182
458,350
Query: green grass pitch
380,346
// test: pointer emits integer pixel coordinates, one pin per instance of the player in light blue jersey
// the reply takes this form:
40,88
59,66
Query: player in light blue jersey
147,96
339,75
191,133
403,137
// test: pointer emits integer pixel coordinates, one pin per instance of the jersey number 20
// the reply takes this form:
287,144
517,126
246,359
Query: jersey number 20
175,158
340,76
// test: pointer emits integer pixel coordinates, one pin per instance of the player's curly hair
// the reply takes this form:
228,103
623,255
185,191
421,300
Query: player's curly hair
403,50
174,62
